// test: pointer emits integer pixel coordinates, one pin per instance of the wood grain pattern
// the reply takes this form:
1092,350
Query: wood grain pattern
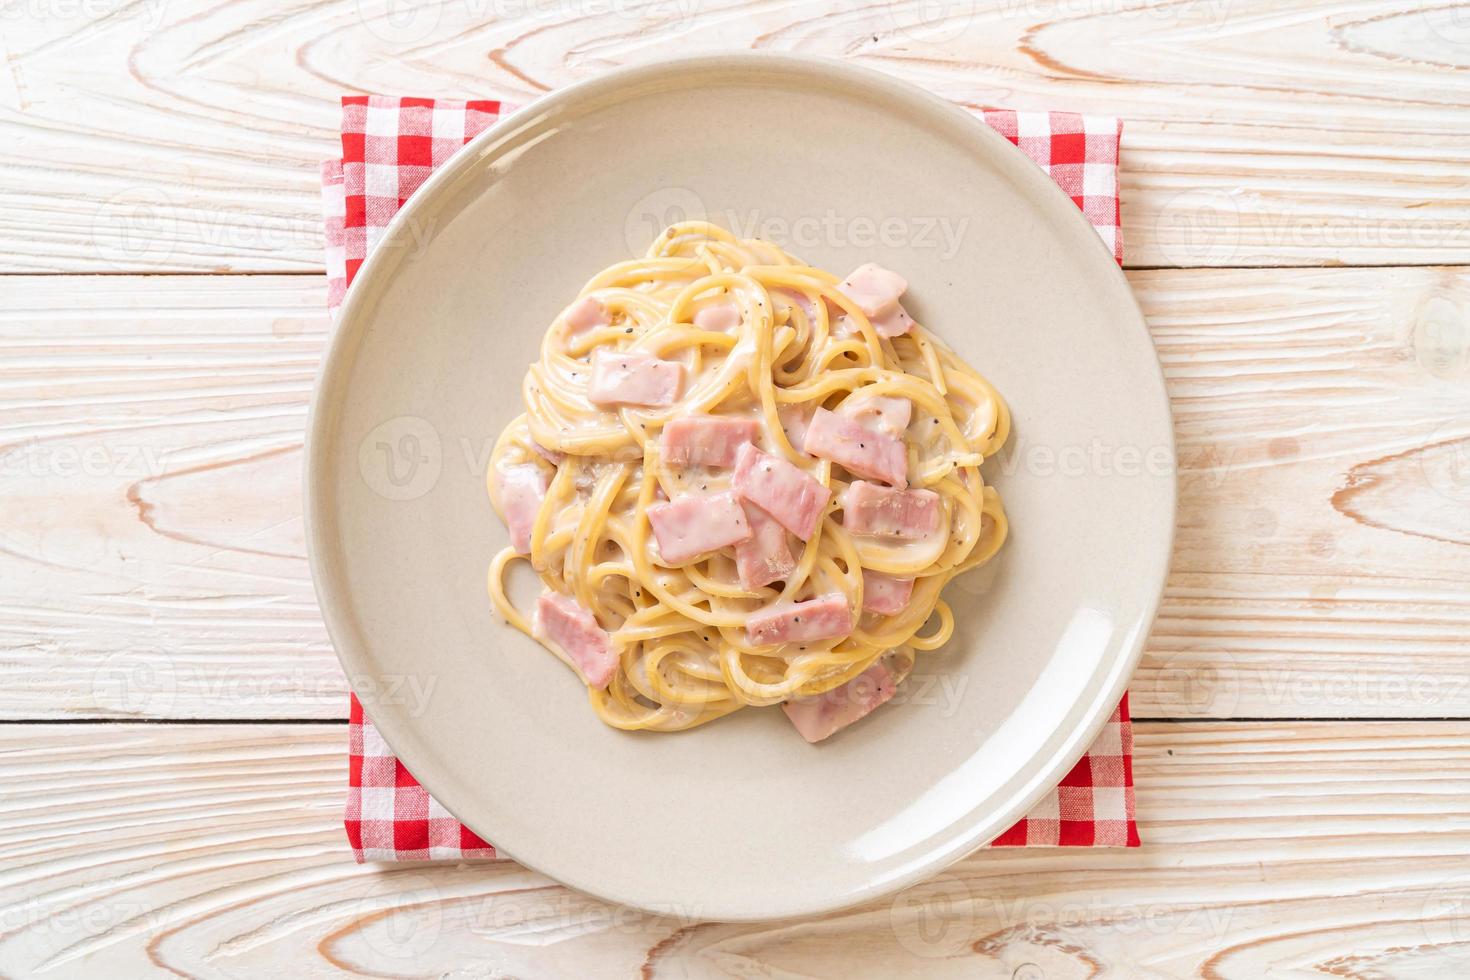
1321,565
146,135
152,553
151,557
215,851
153,563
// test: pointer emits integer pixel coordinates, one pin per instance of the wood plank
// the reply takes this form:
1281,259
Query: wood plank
1322,553
216,851
154,136
152,564
153,553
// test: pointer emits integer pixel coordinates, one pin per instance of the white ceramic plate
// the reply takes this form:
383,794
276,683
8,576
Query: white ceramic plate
739,819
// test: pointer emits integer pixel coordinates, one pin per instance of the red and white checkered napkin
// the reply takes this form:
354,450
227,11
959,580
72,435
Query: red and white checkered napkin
389,146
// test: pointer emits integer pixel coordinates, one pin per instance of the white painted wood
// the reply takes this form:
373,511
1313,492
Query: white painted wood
1322,557
150,547
163,136
1288,850
152,551
152,565
151,561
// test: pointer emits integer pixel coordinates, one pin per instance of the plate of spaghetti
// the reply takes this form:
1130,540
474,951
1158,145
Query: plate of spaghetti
715,465
739,488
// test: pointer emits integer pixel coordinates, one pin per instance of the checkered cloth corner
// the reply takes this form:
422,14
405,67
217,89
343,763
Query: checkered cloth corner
390,817
389,146
1079,153
1093,804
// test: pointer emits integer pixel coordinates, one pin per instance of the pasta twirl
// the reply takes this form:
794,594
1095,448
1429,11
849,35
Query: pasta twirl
719,440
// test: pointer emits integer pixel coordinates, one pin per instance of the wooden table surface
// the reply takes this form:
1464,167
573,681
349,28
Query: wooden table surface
1296,195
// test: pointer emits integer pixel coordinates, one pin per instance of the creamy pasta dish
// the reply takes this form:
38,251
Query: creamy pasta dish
743,481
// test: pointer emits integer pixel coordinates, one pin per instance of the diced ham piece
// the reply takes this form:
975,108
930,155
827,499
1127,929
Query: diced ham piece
892,323
792,297
870,509
781,489
818,717
885,414
585,314
875,290
848,444
794,420
560,620
764,557
633,378
718,317
706,440
824,618
522,489
885,594
552,456
696,524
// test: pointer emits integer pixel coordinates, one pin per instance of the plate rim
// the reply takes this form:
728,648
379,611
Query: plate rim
345,332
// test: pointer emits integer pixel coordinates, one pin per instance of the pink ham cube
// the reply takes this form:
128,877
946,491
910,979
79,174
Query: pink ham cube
875,290
718,317
573,630
824,618
885,594
892,323
522,490
781,489
849,445
633,377
585,314
552,456
794,420
705,440
791,297
870,509
882,414
764,557
818,717
696,524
